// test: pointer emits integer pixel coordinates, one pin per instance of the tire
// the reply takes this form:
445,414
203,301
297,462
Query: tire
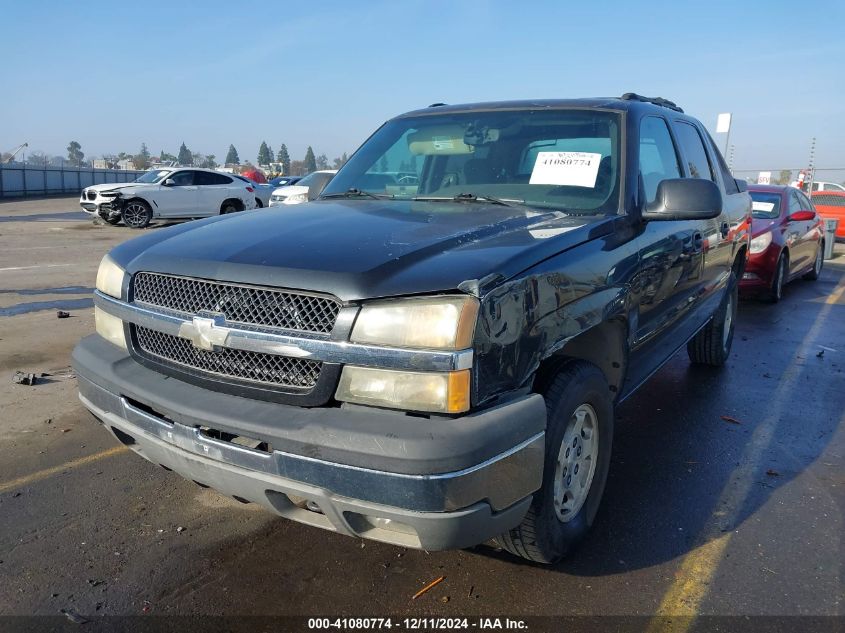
775,293
137,214
817,266
259,204
554,524
228,206
712,345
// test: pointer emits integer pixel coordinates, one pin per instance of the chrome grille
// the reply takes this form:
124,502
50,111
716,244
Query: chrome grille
267,369
240,304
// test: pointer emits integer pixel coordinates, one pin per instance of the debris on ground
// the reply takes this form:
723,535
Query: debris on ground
94,583
48,421
66,430
730,419
428,587
73,616
61,314
180,529
24,378
444,599
15,495
820,354
772,473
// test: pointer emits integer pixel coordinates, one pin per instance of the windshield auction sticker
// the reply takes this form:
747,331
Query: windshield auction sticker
575,169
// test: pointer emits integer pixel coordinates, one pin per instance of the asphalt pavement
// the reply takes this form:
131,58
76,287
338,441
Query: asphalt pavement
725,496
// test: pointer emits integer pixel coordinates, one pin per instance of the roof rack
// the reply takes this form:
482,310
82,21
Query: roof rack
436,105
633,96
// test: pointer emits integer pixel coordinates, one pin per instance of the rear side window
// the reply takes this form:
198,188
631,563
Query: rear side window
658,158
794,202
693,148
727,176
207,178
806,205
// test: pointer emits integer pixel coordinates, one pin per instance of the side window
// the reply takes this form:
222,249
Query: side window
727,176
693,149
816,186
806,205
658,158
207,178
794,202
183,178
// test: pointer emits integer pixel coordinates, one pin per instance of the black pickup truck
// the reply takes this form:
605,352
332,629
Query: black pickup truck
431,352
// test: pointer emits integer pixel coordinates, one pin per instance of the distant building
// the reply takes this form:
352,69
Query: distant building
102,163
126,163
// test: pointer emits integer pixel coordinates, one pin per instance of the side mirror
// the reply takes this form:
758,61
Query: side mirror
169,182
801,216
741,184
685,199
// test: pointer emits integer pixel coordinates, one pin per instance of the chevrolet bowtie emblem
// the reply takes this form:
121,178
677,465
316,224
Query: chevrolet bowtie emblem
206,332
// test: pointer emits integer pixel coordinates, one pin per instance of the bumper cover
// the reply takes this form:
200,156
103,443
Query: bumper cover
429,483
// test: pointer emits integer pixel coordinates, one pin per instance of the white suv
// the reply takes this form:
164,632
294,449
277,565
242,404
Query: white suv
170,193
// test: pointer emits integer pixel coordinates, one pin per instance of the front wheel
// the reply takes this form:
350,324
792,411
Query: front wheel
712,344
228,207
137,214
817,265
579,436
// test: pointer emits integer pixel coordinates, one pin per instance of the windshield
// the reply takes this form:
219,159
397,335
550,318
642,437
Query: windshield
154,176
554,159
765,205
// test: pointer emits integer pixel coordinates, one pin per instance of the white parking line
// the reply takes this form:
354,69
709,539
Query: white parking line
31,267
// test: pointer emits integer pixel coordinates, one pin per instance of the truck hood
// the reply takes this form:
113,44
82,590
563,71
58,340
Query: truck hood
362,249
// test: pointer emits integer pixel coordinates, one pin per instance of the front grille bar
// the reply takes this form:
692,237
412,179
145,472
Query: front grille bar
265,341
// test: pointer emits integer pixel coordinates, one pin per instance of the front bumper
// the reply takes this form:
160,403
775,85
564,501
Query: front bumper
425,483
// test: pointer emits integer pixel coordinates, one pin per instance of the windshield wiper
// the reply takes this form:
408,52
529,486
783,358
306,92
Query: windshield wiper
470,197
358,193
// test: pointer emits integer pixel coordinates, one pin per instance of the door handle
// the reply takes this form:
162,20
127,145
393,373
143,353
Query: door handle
725,229
697,242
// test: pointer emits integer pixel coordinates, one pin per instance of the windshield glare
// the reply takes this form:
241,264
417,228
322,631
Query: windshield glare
554,159
154,176
765,206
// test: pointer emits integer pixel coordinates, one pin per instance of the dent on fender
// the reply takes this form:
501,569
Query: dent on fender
528,319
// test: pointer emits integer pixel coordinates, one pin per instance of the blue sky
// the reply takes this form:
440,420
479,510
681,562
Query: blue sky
326,74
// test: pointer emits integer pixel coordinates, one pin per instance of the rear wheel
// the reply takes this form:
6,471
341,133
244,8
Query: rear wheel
817,265
228,206
137,214
712,344
258,203
579,436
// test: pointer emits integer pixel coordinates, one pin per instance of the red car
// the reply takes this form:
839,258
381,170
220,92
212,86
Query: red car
831,206
787,241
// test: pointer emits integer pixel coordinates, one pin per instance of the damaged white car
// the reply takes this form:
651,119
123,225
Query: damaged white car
171,193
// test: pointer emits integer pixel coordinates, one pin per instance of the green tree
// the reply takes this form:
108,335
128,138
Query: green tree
322,161
185,156
265,156
310,160
210,161
382,164
37,158
232,156
785,177
75,153
164,157
284,158
142,158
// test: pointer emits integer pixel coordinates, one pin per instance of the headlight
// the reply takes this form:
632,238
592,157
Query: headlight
427,322
437,392
277,198
297,197
109,327
761,242
110,277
